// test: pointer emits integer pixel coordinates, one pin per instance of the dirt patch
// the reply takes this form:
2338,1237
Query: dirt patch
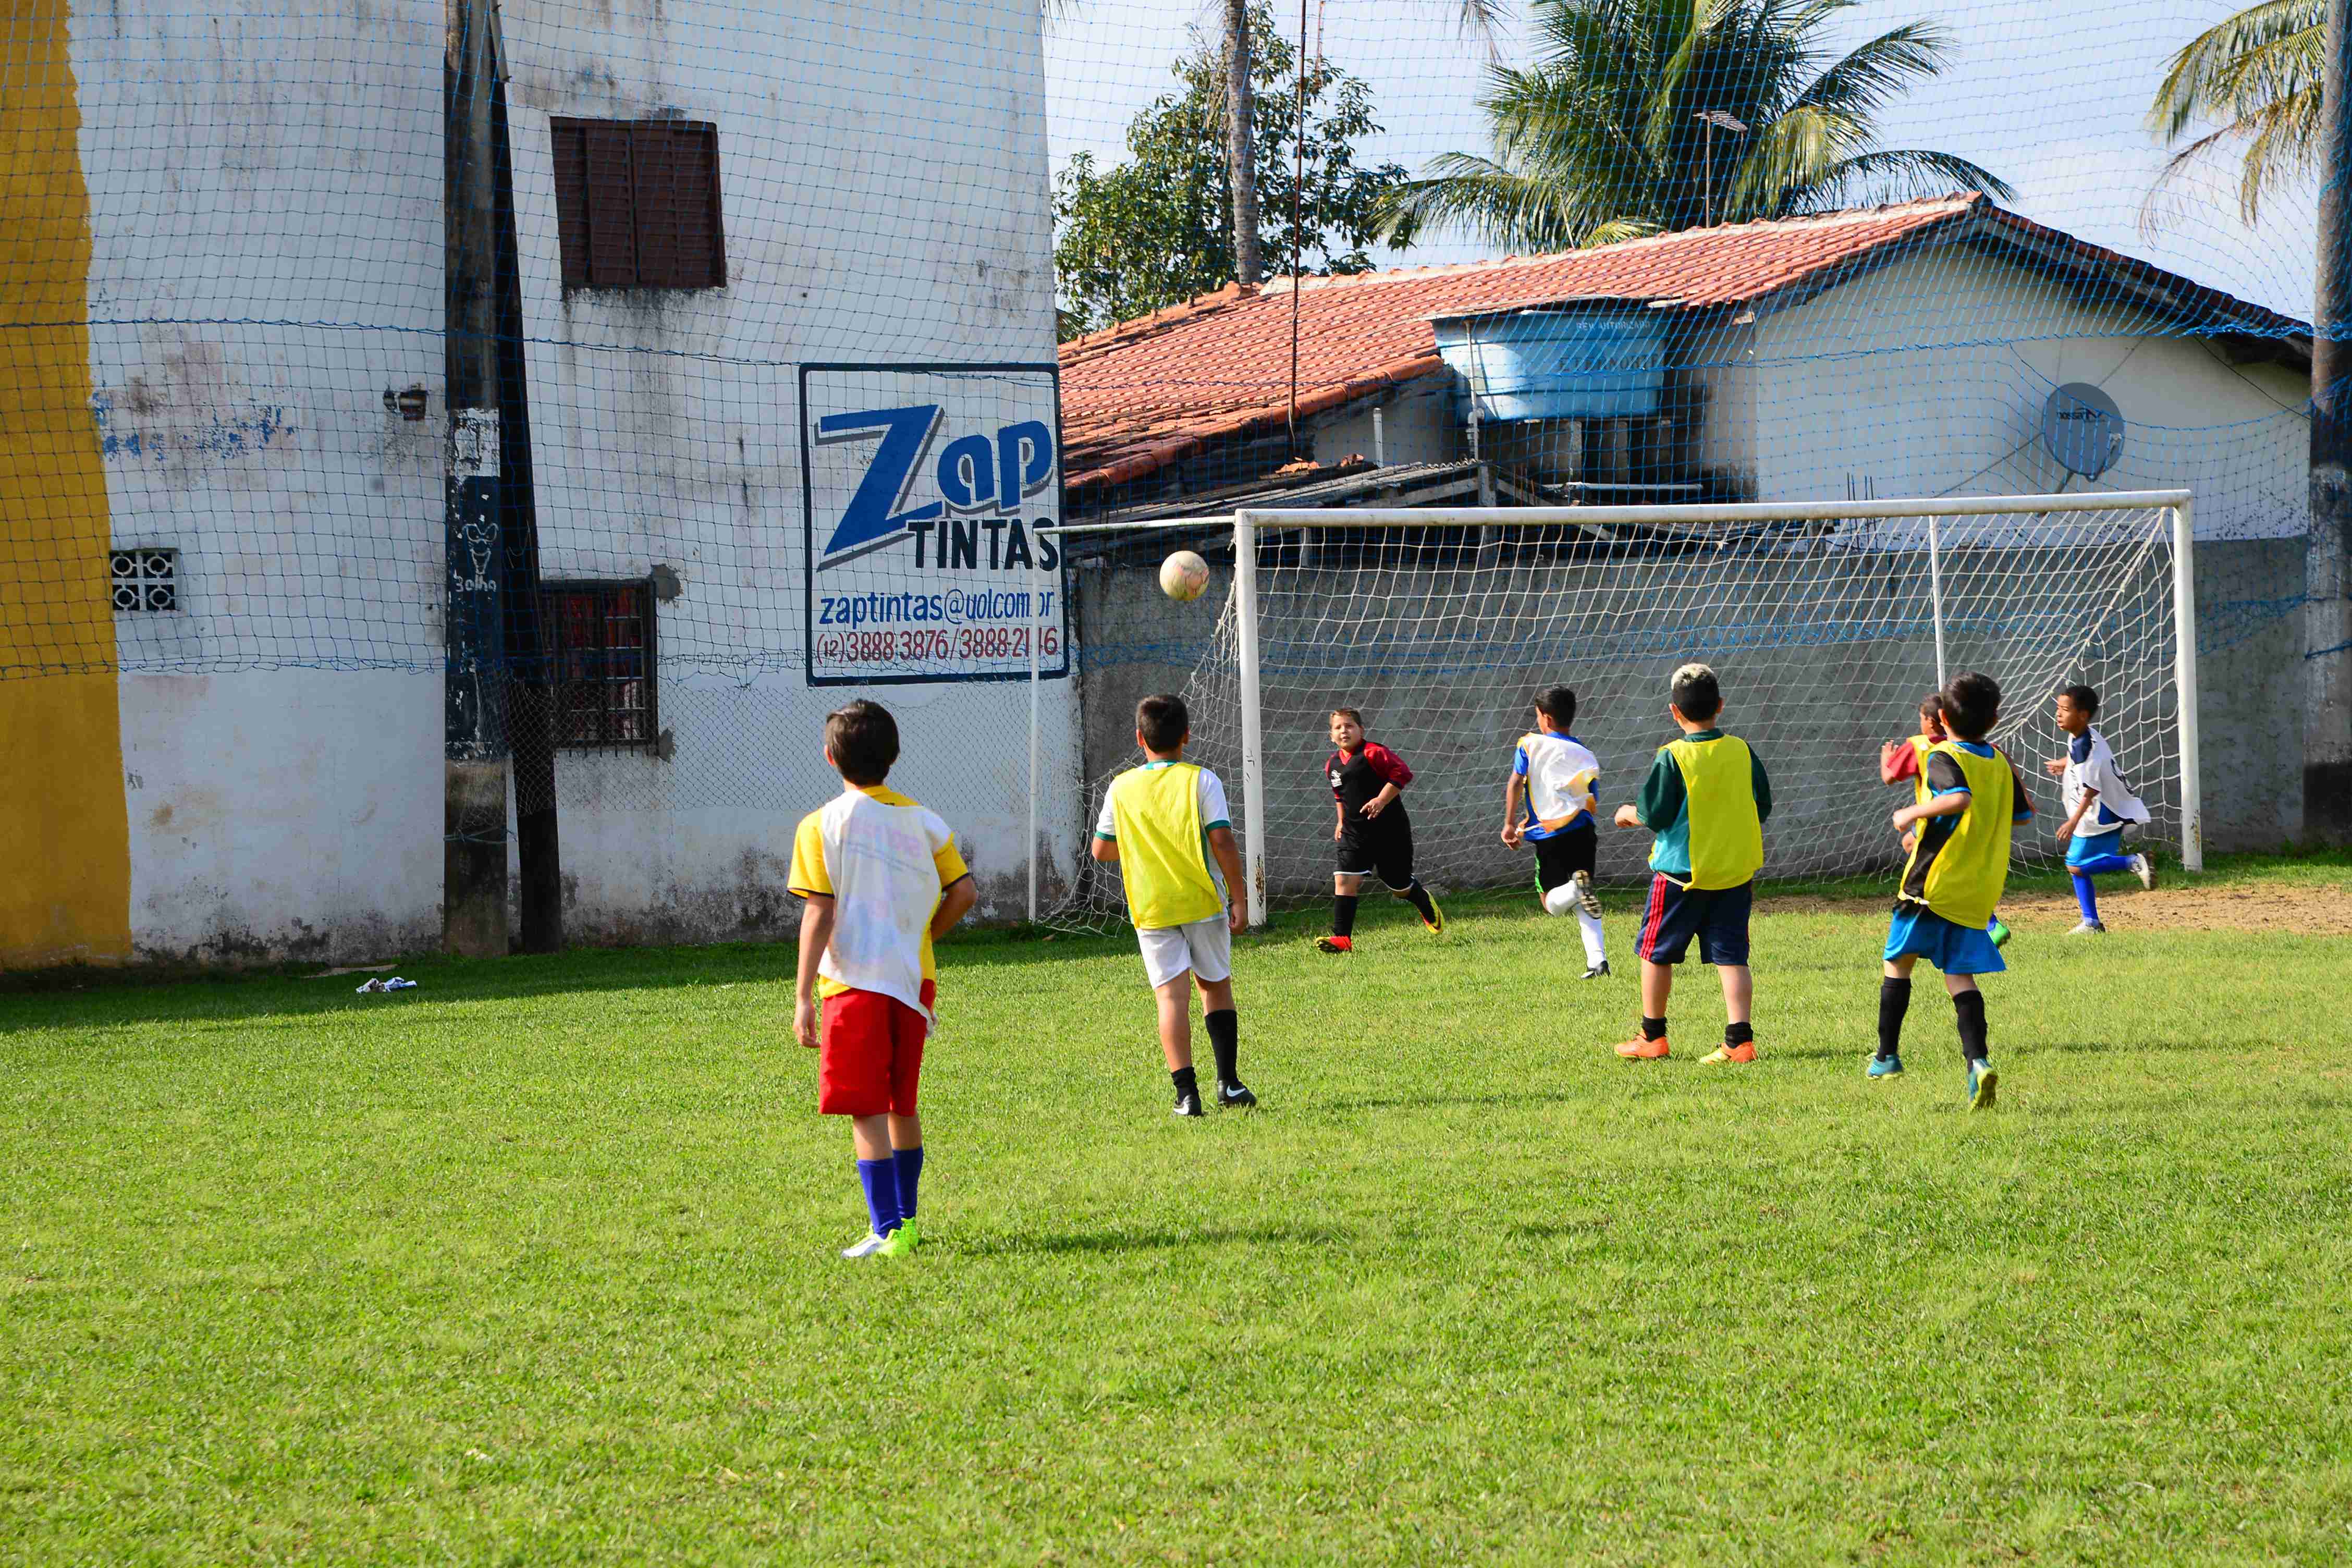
2311,910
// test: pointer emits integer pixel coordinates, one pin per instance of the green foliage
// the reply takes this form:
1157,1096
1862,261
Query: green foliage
536,1264
1158,229
2258,72
1599,141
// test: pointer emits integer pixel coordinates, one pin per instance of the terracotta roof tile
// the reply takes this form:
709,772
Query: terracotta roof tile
1146,392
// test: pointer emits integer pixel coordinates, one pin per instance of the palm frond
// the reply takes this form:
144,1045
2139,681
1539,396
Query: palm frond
2285,34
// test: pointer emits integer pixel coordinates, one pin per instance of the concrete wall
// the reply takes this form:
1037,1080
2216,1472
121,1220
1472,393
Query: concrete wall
1823,656
244,205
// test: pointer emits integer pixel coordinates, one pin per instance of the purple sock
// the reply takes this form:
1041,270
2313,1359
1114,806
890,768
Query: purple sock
2085,897
911,1174
881,1180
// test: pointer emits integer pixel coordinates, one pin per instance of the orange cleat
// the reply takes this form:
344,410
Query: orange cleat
1335,943
1638,1049
1743,1052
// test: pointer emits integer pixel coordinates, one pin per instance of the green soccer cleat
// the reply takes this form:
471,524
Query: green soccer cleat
902,1241
1982,1081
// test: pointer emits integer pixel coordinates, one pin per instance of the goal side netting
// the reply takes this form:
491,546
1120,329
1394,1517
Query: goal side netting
1826,625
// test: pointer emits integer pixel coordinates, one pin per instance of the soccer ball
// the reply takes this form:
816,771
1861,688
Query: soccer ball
1561,899
1183,576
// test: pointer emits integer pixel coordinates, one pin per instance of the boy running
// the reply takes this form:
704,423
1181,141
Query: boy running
881,878
1162,824
1952,878
2098,802
1900,760
1372,831
1706,802
1557,776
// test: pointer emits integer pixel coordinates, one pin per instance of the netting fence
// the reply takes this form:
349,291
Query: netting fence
769,338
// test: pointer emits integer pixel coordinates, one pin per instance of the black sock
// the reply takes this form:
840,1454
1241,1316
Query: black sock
1225,1040
1970,1006
1894,1002
1343,914
1739,1035
1418,896
1654,1028
1185,1082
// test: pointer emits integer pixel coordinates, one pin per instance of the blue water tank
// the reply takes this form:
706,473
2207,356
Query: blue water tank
1575,362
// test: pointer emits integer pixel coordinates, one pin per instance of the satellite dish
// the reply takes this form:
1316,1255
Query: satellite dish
2082,428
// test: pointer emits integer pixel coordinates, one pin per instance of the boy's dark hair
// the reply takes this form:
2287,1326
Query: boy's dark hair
1971,704
1557,703
1695,694
864,740
1931,707
1348,713
2086,700
1162,721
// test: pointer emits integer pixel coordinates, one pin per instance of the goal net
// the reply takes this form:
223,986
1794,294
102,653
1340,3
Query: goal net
1826,624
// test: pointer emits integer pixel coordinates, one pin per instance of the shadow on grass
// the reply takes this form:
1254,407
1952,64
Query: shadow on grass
1447,1101
1114,1241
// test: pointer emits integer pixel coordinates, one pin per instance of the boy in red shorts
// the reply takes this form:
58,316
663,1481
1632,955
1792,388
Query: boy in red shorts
881,878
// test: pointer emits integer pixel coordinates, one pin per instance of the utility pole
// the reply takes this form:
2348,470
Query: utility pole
1240,149
2327,607
474,716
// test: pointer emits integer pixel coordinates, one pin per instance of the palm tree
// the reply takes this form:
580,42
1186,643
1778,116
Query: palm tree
1622,128
2259,72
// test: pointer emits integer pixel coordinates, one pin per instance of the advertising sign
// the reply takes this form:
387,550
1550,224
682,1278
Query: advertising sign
922,487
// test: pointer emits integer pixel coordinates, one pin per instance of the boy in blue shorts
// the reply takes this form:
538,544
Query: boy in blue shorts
1952,878
2098,804
1705,801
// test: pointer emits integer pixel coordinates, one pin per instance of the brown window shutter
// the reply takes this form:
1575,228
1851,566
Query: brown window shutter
699,238
611,202
654,151
572,200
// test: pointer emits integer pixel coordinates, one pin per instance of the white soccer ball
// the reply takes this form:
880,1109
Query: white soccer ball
1183,576
1561,899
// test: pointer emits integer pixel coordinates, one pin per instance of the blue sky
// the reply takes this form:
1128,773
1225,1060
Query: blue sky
2052,99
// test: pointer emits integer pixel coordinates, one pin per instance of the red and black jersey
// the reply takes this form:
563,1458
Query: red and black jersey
1355,780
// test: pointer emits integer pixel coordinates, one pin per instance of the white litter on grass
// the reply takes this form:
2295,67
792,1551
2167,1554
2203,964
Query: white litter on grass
394,984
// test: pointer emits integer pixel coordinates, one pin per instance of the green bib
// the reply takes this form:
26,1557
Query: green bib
1961,876
1725,834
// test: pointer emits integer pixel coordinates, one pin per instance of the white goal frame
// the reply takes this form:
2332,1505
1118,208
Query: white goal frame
1249,524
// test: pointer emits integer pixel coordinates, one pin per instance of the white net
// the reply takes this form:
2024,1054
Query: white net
1823,634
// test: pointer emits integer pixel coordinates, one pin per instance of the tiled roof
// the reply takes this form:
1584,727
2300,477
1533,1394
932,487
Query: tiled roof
1146,392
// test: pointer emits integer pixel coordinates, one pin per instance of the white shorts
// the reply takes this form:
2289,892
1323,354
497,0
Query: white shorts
1204,947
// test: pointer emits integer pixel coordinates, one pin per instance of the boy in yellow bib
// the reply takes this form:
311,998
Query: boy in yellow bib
1952,878
1165,826
1704,803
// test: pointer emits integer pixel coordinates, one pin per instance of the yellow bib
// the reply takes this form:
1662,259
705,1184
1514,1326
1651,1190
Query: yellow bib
1920,746
1163,855
1960,877
1725,834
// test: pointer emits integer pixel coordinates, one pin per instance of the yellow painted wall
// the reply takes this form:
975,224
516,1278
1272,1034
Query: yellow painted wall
65,832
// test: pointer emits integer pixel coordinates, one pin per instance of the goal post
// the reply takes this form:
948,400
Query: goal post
1828,619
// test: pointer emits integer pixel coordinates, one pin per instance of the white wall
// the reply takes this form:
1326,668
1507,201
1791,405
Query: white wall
1895,378
264,214
883,182
1419,424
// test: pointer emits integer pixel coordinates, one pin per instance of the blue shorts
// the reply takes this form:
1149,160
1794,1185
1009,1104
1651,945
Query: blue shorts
2090,846
1954,948
1719,918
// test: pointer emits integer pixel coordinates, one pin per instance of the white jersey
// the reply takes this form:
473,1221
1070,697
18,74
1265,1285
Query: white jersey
1560,772
2091,766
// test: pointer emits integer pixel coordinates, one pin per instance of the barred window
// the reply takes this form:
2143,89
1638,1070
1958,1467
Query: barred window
637,203
600,636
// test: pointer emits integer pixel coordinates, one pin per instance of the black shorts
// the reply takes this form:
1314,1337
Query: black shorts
1559,857
1719,918
1377,848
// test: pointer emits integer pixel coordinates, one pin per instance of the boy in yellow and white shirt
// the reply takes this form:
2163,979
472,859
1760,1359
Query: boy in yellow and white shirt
881,878
1166,827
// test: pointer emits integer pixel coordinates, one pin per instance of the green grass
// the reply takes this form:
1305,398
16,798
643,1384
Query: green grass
536,1264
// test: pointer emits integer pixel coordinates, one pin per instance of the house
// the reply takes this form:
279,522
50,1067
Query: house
1910,350
744,308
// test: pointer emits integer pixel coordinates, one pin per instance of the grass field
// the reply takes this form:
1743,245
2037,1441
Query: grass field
537,1264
